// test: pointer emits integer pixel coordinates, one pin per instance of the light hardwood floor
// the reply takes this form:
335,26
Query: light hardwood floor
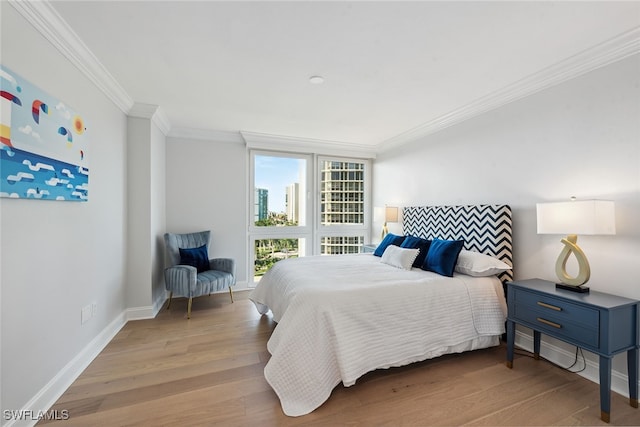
209,371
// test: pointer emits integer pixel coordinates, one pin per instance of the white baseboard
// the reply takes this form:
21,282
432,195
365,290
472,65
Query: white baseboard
150,312
146,312
52,391
55,388
140,313
241,286
562,357
159,302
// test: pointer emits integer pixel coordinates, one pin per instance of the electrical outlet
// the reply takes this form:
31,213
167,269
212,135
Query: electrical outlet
85,314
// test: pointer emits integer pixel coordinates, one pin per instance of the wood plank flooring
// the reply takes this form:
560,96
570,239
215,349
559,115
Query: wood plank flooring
209,371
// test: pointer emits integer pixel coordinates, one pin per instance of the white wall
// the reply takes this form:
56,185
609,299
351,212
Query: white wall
145,216
59,256
580,138
207,190
139,261
158,221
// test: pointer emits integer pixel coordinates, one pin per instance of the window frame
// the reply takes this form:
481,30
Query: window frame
302,232
342,230
313,231
279,230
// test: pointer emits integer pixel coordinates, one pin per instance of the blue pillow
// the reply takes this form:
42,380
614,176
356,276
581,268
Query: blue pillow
195,257
417,243
389,239
442,256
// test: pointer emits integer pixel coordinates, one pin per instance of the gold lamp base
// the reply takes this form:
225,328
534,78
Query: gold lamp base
568,282
385,230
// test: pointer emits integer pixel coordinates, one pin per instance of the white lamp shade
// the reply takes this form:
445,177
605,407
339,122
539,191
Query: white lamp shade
391,214
586,217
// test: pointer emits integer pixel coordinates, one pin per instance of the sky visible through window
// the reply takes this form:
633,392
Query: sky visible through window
275,174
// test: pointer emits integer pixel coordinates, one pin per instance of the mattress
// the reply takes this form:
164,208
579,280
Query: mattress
340,317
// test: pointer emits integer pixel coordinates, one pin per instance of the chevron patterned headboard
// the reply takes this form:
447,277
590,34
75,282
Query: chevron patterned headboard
484,228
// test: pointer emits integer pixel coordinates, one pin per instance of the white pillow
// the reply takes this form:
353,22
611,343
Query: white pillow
479,265
399,257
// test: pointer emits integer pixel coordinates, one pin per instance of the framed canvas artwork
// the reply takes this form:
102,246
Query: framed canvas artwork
43,144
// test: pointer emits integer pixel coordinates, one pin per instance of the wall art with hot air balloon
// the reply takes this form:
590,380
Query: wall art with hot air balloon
43,144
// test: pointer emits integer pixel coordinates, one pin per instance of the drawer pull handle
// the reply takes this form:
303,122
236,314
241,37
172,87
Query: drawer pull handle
552,307
547,322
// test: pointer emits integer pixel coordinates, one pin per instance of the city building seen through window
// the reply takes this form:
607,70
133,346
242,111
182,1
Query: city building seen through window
282,210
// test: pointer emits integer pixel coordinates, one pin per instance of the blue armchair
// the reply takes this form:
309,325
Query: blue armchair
191,273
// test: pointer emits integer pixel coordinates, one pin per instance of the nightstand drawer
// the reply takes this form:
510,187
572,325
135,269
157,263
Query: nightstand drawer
557,327
557,308
558,317
602,323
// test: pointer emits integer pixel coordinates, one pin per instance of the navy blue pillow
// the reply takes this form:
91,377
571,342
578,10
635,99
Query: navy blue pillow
413,242
389,239
442,256
195,257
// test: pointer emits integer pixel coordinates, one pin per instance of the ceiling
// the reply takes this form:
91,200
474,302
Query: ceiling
391,69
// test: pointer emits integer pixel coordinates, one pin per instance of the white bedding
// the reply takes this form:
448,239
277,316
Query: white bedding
340,317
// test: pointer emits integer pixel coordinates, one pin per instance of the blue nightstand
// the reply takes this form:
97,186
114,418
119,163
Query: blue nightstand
601,323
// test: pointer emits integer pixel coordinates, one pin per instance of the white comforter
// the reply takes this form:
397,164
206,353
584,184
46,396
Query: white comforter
340,317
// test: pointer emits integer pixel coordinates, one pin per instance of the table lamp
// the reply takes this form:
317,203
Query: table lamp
390,215
588,217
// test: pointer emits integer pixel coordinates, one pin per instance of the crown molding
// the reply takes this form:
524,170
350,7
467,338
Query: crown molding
142,111
54,28
608,52
306,145
206,135
162,121
155,113
44,18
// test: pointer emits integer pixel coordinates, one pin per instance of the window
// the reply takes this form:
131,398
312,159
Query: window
343,205
277,185
269,251
334,245
287,222
279,226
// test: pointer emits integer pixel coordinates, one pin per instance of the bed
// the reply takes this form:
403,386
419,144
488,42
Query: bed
340,317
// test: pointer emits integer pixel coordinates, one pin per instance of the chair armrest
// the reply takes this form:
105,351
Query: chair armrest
223,264
181,279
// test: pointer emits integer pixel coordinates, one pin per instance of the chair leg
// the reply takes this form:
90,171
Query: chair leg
231,293
169,303
189,308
